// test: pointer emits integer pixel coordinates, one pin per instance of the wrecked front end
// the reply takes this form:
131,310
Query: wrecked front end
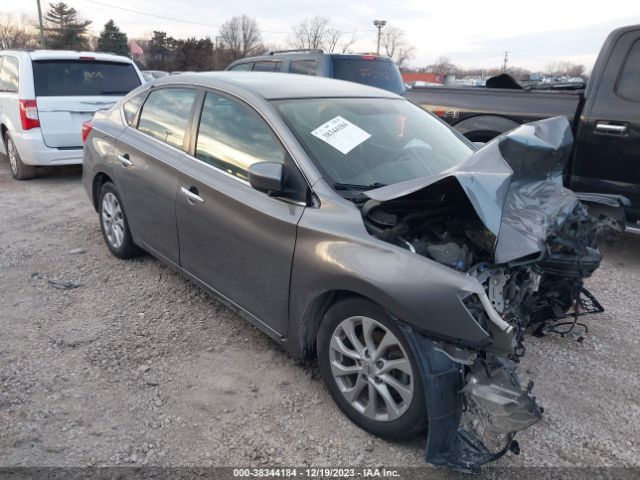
504,219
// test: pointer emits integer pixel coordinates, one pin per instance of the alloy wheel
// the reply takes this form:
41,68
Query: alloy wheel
13,156
371,368
112,220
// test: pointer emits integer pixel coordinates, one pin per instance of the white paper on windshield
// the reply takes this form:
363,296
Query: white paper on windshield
341,134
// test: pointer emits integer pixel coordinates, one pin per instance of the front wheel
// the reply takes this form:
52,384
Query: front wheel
114,225
370,370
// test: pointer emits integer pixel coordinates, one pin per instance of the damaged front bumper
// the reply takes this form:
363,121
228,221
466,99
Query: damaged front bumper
475,405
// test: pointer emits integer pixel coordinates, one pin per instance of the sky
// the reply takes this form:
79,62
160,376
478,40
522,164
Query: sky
471,33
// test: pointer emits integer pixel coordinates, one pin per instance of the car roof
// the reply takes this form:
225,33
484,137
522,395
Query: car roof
68,55
302,55
273,86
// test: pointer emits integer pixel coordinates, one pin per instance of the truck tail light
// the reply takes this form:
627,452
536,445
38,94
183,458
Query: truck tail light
29,114
86,130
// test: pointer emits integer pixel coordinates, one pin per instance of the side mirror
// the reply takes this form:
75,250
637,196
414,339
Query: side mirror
267,177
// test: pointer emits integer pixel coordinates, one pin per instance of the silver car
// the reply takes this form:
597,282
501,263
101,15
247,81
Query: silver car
355,228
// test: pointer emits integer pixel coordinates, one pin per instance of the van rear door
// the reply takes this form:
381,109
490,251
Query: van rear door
371,70
69,91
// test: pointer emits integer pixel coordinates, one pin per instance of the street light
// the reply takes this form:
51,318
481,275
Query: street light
379,24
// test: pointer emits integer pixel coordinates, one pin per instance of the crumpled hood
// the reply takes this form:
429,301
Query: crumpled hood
515,185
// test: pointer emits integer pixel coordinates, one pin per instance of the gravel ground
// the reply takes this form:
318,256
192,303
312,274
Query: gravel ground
136,365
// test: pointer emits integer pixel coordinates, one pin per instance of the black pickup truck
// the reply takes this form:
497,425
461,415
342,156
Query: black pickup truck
605,118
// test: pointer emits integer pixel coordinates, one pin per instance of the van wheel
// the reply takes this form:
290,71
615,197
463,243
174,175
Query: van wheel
19,170
371,370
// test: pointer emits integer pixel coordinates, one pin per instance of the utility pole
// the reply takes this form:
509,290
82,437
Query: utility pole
41,25
506,60
215,53
379,24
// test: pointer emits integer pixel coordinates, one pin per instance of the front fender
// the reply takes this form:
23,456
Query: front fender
412,288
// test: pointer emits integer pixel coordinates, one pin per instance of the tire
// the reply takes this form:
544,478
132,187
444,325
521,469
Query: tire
408,417
19,170
114,224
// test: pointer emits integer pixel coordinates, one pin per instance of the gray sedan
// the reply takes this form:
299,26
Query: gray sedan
353,227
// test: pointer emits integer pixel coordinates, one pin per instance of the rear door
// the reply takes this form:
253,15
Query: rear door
608,149
69,92
151,153
369,70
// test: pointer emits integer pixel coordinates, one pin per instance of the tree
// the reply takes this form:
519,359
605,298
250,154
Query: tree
159,51
194,54
64,29
17,32
240,37
395,45
442,66
319,33
565,69
113,40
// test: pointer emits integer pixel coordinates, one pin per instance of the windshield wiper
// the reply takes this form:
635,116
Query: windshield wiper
114,92
355,186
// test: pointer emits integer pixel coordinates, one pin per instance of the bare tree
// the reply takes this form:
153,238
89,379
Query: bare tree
395,45
16,32
565,68
240,36
348,42
318,32
442,66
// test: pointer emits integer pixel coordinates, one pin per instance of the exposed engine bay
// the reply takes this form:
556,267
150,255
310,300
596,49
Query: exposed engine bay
503,218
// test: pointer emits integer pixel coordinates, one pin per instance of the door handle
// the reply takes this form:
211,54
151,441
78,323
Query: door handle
192,196
124,160
612,128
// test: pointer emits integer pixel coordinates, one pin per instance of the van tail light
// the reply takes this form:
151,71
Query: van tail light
29,114
86,130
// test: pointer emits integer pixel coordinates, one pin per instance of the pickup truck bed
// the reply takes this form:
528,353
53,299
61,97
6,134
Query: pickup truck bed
605,118
507,108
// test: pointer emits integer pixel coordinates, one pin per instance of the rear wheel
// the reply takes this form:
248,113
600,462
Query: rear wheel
370,370
114,225
19,170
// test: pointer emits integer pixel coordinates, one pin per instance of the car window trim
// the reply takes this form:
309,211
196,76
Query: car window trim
193,140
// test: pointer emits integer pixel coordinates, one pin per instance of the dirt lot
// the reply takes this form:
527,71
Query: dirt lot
138,366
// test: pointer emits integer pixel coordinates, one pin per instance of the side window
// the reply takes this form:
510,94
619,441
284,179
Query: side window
131,106
267,66
9,75
232,137
166,113
629,83
241,66
304,67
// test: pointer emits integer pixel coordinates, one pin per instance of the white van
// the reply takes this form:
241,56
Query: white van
46,96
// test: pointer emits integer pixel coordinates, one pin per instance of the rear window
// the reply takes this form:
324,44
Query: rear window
9,74
67,78
304,67
242,66
267,66
629,83
376,73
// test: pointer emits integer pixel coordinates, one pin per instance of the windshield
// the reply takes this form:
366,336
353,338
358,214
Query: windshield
364,143
376,73
66,78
